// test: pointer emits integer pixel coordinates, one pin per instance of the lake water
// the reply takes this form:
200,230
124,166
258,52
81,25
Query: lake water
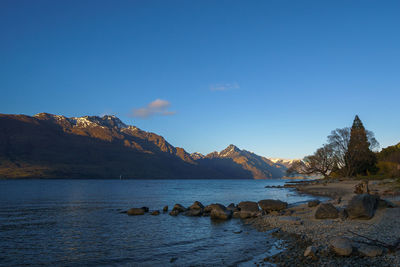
78,222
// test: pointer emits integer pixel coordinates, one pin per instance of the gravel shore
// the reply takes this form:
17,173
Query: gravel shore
299,229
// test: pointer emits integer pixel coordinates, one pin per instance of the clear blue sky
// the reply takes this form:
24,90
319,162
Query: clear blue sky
273,77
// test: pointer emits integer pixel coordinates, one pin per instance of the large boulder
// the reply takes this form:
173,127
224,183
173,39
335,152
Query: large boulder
209,208
217,212
272,205
135,211
341,246
326,211
220,213
248,209
194,212
179,208
362,206
196,206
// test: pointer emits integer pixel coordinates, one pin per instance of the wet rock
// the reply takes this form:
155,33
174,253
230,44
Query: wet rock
174,213
272,205
165,209
362,206
248,209
326,211
248,206
135,211
196,206
209,208
156,212
236,214
313,203
232,207
370,251
194,212
219,212
341,246
311,252
179,208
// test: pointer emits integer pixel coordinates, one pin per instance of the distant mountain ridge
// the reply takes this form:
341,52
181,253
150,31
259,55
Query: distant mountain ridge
54,146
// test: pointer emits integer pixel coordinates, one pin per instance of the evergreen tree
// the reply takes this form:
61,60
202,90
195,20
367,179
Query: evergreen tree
361,159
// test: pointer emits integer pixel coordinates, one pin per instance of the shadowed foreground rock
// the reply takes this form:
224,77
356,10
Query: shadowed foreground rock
269,205
341,246
362,207
326,211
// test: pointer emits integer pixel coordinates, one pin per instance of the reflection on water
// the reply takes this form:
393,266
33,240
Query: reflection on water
78,222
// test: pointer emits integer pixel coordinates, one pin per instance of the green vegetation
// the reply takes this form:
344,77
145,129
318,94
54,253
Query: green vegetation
351,152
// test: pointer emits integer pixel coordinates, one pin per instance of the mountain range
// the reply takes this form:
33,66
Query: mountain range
54,146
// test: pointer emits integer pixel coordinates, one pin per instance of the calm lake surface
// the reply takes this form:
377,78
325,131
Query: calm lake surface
78,222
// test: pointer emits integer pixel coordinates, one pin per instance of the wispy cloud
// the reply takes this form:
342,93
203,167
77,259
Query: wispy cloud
157,107
224,86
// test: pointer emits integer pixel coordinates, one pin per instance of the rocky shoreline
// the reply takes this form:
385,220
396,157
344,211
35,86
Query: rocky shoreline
343,240
357,226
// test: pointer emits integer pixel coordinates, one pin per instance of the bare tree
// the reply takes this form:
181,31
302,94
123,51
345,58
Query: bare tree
339,139
321,162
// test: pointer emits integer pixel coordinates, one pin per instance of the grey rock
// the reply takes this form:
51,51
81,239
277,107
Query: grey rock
370,251
272,205
341,246
326,211
362,206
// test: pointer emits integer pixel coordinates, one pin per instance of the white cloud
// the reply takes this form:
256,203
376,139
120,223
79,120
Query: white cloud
224,86
156,107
